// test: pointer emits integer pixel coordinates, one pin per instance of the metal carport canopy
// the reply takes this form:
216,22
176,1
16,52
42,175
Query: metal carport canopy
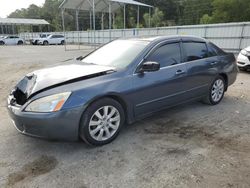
100,5
20,21
103,6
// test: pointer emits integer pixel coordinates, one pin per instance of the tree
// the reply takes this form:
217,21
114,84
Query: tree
169,8
49,11
231,11
193,10
119,19
206,19
157,18
18,13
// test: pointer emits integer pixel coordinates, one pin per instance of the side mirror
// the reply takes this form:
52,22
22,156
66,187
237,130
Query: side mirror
149,66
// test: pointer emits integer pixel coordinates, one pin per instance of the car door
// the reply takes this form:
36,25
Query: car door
9,40
200,68
162,88
52,39
59,39
16,39
13,40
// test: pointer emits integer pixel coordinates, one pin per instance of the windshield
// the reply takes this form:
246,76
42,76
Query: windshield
119,53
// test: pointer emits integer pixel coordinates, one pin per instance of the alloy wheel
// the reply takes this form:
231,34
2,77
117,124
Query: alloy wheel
104,123
217,90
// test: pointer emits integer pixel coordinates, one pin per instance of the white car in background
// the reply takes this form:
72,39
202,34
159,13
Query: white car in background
243,60
34,41
11,40
52,39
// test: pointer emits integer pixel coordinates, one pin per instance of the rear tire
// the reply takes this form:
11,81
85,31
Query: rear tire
45,43
62,42
216,91
101,122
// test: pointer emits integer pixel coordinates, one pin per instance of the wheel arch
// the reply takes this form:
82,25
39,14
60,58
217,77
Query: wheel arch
20,42
117,97
224,75
113,96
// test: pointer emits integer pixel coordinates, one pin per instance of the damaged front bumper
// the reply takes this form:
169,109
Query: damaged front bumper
61,125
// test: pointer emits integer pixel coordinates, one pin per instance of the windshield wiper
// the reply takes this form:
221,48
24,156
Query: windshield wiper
79,58
76,58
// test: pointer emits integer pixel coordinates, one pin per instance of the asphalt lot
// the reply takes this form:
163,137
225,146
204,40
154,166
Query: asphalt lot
193,145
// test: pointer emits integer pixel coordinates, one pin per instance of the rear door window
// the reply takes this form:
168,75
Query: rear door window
211,51
166,55
215,49
195,50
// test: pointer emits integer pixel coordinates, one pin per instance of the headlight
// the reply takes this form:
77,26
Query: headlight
245,53
50,103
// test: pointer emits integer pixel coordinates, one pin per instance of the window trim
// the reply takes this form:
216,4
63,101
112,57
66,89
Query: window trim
164,46
157,46
216,48
185,53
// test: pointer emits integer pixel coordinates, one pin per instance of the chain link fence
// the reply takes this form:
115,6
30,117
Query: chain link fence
231,37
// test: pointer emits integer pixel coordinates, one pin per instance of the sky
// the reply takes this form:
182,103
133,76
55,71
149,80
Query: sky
8,6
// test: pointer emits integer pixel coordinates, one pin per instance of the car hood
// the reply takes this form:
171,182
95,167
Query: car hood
56,76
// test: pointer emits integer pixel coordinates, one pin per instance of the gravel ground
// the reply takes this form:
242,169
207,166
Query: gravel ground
193,145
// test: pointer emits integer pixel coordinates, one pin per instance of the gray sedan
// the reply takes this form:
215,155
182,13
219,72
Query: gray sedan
121,82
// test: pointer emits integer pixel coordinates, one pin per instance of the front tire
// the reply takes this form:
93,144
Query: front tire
102,122
216,91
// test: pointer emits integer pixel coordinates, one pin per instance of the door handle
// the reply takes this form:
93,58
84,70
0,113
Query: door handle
179,72
214,63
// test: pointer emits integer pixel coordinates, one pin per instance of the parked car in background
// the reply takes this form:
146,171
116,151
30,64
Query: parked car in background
34,41
52,39
123,81
243,59
11,40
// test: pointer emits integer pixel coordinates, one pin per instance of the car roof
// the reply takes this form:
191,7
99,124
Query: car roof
168,37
